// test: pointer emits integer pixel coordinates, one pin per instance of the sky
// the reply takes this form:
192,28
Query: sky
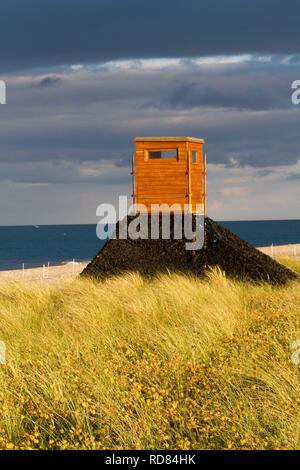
84,77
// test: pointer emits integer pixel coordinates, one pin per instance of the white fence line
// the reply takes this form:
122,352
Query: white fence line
287,250
44,272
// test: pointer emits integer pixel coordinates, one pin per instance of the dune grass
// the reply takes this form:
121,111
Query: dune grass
169,363
290,262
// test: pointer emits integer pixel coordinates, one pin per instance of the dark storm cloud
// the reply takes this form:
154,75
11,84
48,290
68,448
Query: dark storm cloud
294,176
252,85
293,59
35,33
48,81
263,173
63,172
48,133
192,95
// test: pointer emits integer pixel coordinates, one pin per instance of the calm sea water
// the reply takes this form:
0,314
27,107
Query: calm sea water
57,244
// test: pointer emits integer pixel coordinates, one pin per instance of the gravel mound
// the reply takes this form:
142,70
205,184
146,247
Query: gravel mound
237,258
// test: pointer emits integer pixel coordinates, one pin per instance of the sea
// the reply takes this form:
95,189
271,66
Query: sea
58,244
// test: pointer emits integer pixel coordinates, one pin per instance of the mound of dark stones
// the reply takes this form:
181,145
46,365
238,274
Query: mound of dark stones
237,258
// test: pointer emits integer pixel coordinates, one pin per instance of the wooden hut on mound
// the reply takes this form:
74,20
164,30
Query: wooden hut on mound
172,170
169,170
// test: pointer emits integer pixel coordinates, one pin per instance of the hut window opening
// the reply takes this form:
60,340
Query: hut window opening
194,156
162,154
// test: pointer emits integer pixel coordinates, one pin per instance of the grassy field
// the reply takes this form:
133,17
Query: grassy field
171,363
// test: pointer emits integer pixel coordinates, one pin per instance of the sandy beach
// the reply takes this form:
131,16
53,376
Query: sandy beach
46,273
282,250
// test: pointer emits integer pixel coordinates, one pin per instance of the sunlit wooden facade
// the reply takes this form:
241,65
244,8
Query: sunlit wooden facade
169,170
